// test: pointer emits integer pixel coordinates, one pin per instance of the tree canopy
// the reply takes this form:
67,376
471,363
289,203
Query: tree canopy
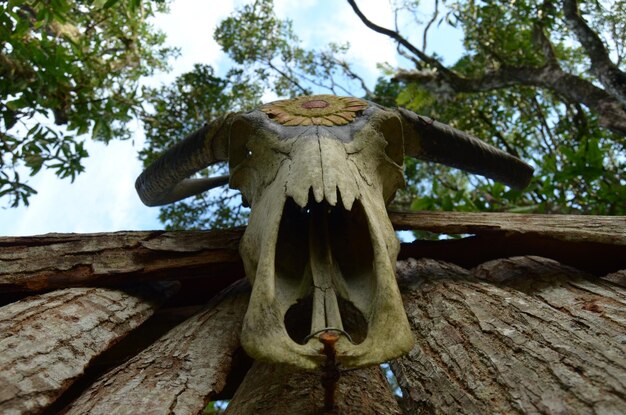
541,80
69,69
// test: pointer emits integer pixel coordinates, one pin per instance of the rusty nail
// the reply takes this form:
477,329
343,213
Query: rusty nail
330,372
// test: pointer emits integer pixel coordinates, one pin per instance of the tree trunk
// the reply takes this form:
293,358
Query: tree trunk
522,335
181,372
273,389
47,341
514,335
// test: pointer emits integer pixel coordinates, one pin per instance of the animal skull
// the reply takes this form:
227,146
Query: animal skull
318,173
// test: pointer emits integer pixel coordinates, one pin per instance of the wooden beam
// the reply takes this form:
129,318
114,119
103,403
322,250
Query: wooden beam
54,261
595,244
207,261
610,230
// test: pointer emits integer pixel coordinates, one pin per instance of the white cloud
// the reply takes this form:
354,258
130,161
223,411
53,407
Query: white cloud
103,198
318,23
189,26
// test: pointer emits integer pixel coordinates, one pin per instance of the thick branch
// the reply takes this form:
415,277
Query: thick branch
611,113
611,77
609,104
544,44
276,389
518,335
181,371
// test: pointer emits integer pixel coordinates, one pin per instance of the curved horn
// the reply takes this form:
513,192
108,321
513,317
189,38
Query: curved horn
165,181
430,140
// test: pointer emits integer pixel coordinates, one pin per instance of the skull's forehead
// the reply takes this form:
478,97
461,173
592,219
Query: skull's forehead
329,160
315,116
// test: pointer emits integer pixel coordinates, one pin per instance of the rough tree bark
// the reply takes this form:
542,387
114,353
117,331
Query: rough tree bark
516,335
520,335
47,341
181,372
609,74
271,389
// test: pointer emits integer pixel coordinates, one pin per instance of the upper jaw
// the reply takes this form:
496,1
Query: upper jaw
320,250
324,269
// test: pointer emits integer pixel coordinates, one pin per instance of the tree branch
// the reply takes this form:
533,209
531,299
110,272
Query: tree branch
402,41
289,78
429,24
494,130
611,112
544,44
610,105
353,75
416,62
611,77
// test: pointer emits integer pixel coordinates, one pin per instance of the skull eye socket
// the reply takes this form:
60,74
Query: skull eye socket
238,150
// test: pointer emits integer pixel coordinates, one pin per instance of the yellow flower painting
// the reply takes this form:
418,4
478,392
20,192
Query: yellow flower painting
328,110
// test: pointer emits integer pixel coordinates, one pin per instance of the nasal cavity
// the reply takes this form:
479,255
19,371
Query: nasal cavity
298,320
315,103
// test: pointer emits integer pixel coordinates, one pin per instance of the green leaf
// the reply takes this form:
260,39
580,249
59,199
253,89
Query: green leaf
16,104
111,3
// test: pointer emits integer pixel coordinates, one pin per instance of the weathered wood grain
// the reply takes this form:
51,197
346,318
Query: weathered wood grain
272,389
618,277
47,341
580,228
180,372
594,243
521,335
61,260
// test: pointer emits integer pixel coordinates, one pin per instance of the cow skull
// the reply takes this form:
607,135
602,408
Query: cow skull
319,249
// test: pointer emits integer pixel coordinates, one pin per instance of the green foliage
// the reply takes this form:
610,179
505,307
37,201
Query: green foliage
175,111
580,166
67,69
268,56
215,408
271,55
71,69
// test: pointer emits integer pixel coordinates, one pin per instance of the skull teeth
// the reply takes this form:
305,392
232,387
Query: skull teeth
322,231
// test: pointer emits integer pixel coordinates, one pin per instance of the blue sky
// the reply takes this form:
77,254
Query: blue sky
103,199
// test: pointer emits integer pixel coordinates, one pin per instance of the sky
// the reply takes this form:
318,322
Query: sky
103,198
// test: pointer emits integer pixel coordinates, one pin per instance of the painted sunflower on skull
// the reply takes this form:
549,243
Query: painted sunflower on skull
327,110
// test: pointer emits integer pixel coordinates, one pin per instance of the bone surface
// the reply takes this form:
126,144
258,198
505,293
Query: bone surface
319,249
